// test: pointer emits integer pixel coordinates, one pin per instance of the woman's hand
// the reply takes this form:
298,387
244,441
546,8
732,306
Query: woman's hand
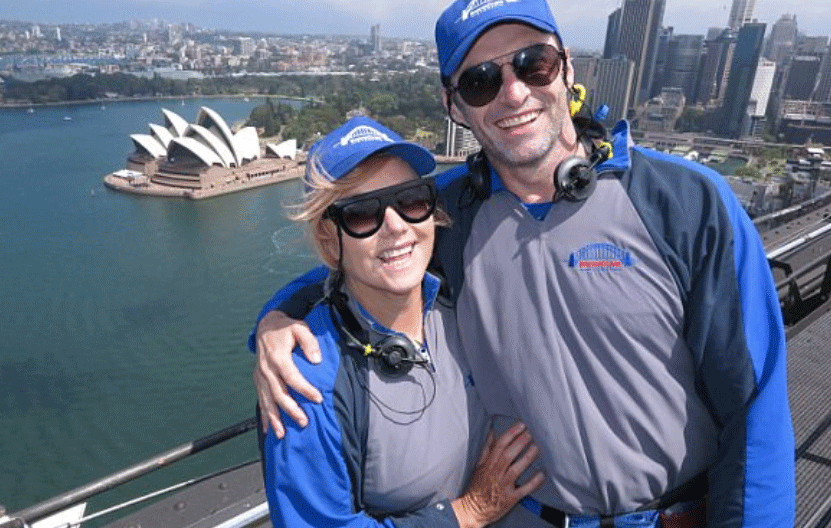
493,489
275,371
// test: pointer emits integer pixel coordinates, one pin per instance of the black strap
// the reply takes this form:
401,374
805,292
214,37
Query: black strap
337,299
557,518
693,489
553,516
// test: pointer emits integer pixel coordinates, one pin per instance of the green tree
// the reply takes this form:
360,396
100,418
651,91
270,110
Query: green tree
748,172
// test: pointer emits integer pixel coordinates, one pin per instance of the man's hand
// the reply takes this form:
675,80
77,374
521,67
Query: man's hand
493,489
275,371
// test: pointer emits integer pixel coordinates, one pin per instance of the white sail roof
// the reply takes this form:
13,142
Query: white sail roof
286,149
209,119
161,134
247,143
211,140
148,144
175,123
195,148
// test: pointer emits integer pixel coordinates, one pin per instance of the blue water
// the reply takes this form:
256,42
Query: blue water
123,318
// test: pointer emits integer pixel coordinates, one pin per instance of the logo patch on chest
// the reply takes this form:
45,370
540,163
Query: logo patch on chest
601,256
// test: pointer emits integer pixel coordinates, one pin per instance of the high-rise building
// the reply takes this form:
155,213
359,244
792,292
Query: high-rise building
610,47
459,141
640,22
740,14
244,46
823,89
683,64
585,72
742,72
760,95
715,67
58,33
174,34
375,37
801,77
806,45
782,39
614,85
661,55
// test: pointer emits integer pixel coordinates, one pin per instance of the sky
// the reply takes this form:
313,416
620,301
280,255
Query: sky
582,27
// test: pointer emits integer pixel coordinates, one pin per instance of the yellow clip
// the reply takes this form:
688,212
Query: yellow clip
608,146
578,97
367,349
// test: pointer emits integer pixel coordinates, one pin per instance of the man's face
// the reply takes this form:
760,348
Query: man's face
523,125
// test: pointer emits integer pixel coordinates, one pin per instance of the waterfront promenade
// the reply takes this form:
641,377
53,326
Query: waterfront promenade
150,188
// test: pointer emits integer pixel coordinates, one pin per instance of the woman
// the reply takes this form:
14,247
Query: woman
400,430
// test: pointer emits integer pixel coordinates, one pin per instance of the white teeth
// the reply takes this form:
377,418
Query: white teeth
518,120
396,252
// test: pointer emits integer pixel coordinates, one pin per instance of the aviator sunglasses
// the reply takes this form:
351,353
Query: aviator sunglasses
535,65
361,216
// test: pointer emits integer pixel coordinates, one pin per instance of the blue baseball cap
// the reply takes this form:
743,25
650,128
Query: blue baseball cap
344,148
464,21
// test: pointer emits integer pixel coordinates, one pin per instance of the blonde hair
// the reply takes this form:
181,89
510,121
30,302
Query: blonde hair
322,191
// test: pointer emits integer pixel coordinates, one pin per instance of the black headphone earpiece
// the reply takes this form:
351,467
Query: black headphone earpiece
396,354
575,179
477,182
480,174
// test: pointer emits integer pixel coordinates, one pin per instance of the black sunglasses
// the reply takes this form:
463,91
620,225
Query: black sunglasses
535,65
361,216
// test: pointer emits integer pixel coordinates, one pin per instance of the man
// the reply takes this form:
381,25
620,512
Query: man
630,320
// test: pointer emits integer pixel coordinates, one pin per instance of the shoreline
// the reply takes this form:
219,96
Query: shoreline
117,183
121,99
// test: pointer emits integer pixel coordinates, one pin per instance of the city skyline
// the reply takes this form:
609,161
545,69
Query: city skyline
403,18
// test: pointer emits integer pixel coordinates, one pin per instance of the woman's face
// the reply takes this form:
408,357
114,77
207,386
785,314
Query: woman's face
393,260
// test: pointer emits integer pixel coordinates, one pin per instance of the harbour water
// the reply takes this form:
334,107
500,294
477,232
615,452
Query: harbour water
123,318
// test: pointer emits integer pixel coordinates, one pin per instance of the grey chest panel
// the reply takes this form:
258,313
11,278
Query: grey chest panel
574,323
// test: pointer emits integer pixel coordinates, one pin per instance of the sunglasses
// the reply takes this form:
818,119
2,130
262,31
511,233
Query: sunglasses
535,65
361,216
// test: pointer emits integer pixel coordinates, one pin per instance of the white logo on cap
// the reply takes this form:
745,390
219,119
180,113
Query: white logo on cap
477,7
364,133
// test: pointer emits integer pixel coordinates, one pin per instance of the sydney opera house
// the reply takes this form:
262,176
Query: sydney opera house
202,159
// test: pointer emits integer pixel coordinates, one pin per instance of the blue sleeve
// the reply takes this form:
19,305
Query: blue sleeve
733,328
307,478
769,486
312,276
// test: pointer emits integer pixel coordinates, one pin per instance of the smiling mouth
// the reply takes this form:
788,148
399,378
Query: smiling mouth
396,254
518,120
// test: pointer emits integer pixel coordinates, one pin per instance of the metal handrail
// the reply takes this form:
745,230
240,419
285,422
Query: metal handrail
804,289
23,517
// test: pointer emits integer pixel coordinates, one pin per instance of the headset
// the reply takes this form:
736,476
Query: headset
575,178
396,353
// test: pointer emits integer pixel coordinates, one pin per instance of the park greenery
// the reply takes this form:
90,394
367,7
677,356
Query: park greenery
406,102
